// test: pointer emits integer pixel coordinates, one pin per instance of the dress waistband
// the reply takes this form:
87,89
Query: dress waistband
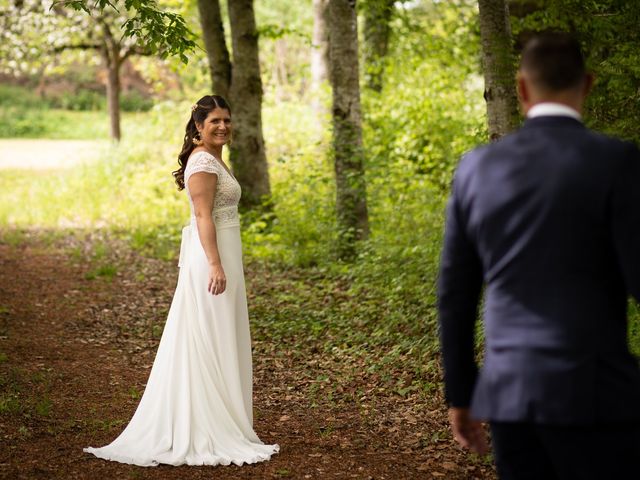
223,217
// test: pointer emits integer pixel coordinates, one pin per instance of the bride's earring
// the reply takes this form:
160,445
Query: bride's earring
197,141
230,141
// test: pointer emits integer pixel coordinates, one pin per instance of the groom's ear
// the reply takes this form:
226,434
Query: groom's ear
524,95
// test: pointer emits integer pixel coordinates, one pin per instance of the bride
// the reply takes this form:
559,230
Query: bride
197,405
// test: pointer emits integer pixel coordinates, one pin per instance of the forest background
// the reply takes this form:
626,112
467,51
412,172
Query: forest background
423,109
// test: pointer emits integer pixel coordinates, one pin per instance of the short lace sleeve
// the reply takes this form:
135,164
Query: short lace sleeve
201,162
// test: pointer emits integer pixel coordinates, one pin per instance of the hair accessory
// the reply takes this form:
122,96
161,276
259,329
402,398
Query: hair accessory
194,107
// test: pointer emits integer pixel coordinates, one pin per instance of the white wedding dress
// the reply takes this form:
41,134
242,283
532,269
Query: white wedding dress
197,405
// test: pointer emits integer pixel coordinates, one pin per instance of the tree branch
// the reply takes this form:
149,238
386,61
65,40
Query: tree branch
135,50
80,46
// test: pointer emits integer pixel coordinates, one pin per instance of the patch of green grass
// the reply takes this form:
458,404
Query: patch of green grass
43,406
104,425
76,254
99,251
135,474
3,357
156,330
12,237
10,404
135,393
104,271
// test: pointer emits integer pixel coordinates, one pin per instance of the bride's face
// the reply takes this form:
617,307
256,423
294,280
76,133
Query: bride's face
216,128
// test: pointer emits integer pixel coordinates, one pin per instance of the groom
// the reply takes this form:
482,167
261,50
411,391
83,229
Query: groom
548,219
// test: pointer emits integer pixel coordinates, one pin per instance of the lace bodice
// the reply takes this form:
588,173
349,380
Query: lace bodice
225,206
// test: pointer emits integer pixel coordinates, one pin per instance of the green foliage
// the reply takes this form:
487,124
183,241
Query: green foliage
299,228
81,100
157,31
431,109
53,124
608,31
134,101
285,30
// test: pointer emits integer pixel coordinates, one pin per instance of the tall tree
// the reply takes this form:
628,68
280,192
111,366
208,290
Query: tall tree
499,67
114,50
247,151
377,30
351,199
240,82
215,46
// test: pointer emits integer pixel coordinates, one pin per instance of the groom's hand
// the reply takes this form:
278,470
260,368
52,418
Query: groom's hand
468,432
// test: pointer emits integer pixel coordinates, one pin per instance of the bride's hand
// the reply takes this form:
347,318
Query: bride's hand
217,281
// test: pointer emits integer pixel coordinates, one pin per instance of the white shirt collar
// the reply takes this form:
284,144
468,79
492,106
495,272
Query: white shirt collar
552,109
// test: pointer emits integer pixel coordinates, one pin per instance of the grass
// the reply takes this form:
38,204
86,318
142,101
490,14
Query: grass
25,394
24,115
10,404
60,124
105,271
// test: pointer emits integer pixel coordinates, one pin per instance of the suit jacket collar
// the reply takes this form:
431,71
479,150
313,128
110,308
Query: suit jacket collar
552,121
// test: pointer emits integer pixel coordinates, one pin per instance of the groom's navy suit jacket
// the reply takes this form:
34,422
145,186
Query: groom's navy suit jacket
548,219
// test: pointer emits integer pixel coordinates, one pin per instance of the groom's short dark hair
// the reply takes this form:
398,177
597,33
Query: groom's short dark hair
553,61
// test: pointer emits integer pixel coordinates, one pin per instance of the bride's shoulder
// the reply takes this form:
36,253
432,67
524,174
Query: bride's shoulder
200,155
201,161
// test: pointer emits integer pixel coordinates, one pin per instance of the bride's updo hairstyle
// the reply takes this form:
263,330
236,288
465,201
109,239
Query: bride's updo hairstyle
199,112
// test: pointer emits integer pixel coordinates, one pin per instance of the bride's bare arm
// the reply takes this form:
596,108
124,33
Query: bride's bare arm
202,188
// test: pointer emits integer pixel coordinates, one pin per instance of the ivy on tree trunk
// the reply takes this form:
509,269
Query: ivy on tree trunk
351,199
377,30
499,68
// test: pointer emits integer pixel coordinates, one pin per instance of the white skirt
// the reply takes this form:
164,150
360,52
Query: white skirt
197,406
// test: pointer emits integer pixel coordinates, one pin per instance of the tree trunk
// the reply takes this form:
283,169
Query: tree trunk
377,30
216,46
112,58
113,99
351,199
247,152
112,62
499,68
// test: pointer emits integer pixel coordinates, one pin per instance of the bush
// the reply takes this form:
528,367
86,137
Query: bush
81,100
134,101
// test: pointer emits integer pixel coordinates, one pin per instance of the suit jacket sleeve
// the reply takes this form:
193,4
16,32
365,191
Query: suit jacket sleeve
459,286
626,220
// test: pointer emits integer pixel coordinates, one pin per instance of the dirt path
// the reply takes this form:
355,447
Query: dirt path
40,154
76,346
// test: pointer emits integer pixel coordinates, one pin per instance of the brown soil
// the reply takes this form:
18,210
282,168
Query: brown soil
76,347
